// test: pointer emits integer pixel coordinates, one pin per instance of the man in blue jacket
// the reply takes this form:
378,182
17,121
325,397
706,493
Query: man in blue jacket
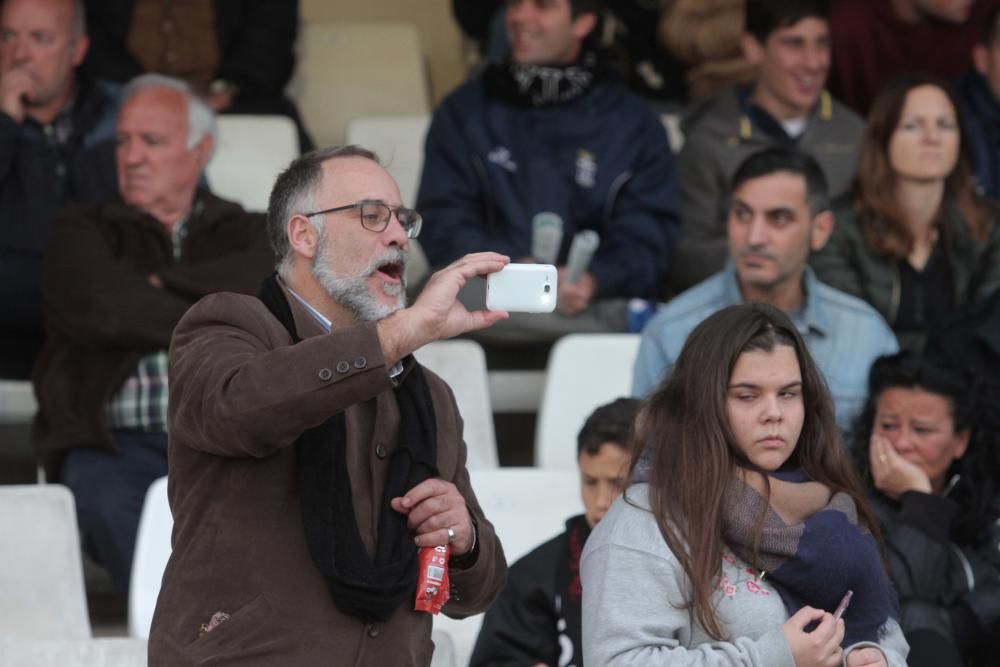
546,132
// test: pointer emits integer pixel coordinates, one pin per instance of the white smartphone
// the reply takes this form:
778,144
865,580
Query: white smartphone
522,288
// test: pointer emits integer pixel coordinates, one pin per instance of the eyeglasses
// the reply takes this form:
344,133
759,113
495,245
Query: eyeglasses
375,216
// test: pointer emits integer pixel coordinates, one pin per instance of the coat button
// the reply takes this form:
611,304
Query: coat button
380,451
360,362
374,630
343,367
325,374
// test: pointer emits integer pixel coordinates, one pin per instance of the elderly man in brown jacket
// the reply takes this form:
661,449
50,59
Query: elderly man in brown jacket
118,277
310,455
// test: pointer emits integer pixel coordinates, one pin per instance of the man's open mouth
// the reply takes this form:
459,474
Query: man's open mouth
392,271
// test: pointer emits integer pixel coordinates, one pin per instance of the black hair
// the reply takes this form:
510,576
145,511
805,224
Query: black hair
990,27
977,469
762,17
578,7
609,423
777,159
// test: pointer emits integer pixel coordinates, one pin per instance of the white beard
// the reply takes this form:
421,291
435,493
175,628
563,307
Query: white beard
352,291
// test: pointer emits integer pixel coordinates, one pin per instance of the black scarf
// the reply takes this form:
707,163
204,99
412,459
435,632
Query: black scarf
540,85
361,586
569,588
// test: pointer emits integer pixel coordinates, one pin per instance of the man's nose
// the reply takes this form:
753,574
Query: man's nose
757,233
395,233
131,153
20,51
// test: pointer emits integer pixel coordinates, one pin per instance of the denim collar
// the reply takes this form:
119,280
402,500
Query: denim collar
810,318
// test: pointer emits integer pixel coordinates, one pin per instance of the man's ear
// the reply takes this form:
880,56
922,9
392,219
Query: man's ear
80,45
583,25
753,51
204,149
302,236
822,227
980,58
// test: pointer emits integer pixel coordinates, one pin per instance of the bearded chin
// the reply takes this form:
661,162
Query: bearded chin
353,292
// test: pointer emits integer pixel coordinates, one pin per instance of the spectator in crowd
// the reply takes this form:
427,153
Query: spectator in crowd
625,35
778,214
979,95
789,43
545,132
934,471
706,35
969,344
118,277
913,239
536,619
319,451
874,42
56,148
742,539
238,54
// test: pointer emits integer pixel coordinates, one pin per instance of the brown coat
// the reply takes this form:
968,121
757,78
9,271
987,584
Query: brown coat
240,396
102,314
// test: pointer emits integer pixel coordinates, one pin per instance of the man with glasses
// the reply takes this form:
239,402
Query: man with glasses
118,277
310,454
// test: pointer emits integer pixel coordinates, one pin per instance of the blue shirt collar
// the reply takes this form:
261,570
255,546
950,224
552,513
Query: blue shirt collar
810,318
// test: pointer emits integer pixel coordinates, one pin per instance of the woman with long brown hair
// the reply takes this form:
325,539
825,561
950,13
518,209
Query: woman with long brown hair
740,540
913,238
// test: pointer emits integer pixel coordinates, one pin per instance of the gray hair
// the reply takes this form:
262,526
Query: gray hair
294,193
201,118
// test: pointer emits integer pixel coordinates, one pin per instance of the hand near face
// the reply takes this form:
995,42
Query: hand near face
437,313
572,298
892,474
15,86
431,508
819,648
866,657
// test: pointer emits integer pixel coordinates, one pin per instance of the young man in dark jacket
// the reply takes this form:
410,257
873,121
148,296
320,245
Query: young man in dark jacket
536,619
546,132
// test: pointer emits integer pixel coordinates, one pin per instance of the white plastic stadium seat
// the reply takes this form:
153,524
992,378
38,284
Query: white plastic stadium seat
527,506
444,649
399,142
462,364
152,551
41,572
348,70
250,152
584,371
102,652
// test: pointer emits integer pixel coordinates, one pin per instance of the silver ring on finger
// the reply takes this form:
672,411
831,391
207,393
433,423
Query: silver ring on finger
451,535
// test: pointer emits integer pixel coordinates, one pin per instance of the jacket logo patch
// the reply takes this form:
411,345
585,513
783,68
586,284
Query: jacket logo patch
586,169
500,156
